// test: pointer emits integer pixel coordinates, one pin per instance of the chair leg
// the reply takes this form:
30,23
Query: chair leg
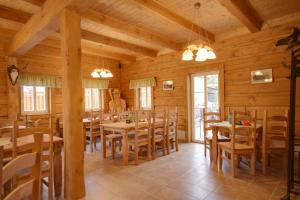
149,151
50,187
232,161
210,151
220,158
91,143
204,142
176,144
136,155
164,147
153,150
120,145
253,163
168,145
113,148
264,163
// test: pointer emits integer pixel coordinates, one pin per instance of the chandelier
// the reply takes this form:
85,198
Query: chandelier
102,72
201,51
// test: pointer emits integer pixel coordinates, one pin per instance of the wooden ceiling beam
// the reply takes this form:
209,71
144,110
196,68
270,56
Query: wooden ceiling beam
36,2
101,39
244,12
42,24
131,30
175,18
88,49
14,15
23,17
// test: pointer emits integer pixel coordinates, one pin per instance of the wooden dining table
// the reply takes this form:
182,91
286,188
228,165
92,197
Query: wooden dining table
223,126
57,157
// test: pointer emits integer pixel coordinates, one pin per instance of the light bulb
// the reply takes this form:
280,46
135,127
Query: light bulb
187,55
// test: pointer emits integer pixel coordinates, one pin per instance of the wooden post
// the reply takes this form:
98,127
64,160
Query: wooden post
72,104
13,93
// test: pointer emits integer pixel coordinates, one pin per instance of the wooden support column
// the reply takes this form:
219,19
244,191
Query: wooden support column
72,101
13,93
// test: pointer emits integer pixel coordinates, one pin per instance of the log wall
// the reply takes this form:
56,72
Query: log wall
239,56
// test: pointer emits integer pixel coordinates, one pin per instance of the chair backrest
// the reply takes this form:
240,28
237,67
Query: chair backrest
123,115
159,118
95,114
210,117
21,136
142,124
6,127
172,120
30,188
275,128
243,128
95,126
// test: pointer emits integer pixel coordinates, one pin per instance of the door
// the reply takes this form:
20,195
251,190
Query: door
205,94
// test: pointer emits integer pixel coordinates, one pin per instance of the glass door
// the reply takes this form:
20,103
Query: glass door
205,94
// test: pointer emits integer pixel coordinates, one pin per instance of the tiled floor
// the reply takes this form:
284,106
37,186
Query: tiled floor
183,175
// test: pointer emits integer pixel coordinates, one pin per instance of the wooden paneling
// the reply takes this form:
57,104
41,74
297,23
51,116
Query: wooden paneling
239,56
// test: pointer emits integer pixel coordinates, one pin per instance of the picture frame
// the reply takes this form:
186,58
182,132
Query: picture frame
262,76
168,85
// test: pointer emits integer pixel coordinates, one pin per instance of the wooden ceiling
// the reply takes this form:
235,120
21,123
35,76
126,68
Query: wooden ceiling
127,30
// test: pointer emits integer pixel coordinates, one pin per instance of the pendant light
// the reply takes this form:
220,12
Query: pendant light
202,51
102,72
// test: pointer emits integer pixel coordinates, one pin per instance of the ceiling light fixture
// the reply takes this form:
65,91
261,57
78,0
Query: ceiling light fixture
102,72
199,51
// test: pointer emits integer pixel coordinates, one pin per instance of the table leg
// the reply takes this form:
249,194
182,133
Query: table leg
103,142
215,146
125,147
57,169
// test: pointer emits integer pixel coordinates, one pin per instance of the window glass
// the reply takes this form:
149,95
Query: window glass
34,99
92,99
145,97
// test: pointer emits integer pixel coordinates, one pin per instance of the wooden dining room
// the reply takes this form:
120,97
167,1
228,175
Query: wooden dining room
149,99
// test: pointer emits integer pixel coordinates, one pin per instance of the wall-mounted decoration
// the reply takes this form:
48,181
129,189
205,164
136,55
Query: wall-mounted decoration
13,74
262,76
168,85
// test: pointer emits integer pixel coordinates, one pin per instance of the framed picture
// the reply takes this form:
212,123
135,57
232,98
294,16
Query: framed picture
262,76
168,85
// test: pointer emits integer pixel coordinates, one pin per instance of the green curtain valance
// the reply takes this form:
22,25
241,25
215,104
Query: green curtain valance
145,82
93,83
39,80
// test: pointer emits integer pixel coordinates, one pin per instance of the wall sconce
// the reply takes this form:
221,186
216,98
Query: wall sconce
13,74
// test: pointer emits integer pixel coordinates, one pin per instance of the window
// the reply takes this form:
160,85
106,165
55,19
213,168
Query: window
34,99
145,96
93,99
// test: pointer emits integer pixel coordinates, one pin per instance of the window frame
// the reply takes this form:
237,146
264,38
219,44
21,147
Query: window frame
100,100
35,112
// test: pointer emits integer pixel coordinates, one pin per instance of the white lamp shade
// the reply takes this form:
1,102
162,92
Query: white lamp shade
95,74
211,55
187,55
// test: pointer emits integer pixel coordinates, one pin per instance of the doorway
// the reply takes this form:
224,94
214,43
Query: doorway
204,94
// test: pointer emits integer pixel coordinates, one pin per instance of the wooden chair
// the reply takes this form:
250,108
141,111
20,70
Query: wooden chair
236,147
211,117
172,130
32,186
114,139
42,124
142,136
92,132
275,138
158,132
